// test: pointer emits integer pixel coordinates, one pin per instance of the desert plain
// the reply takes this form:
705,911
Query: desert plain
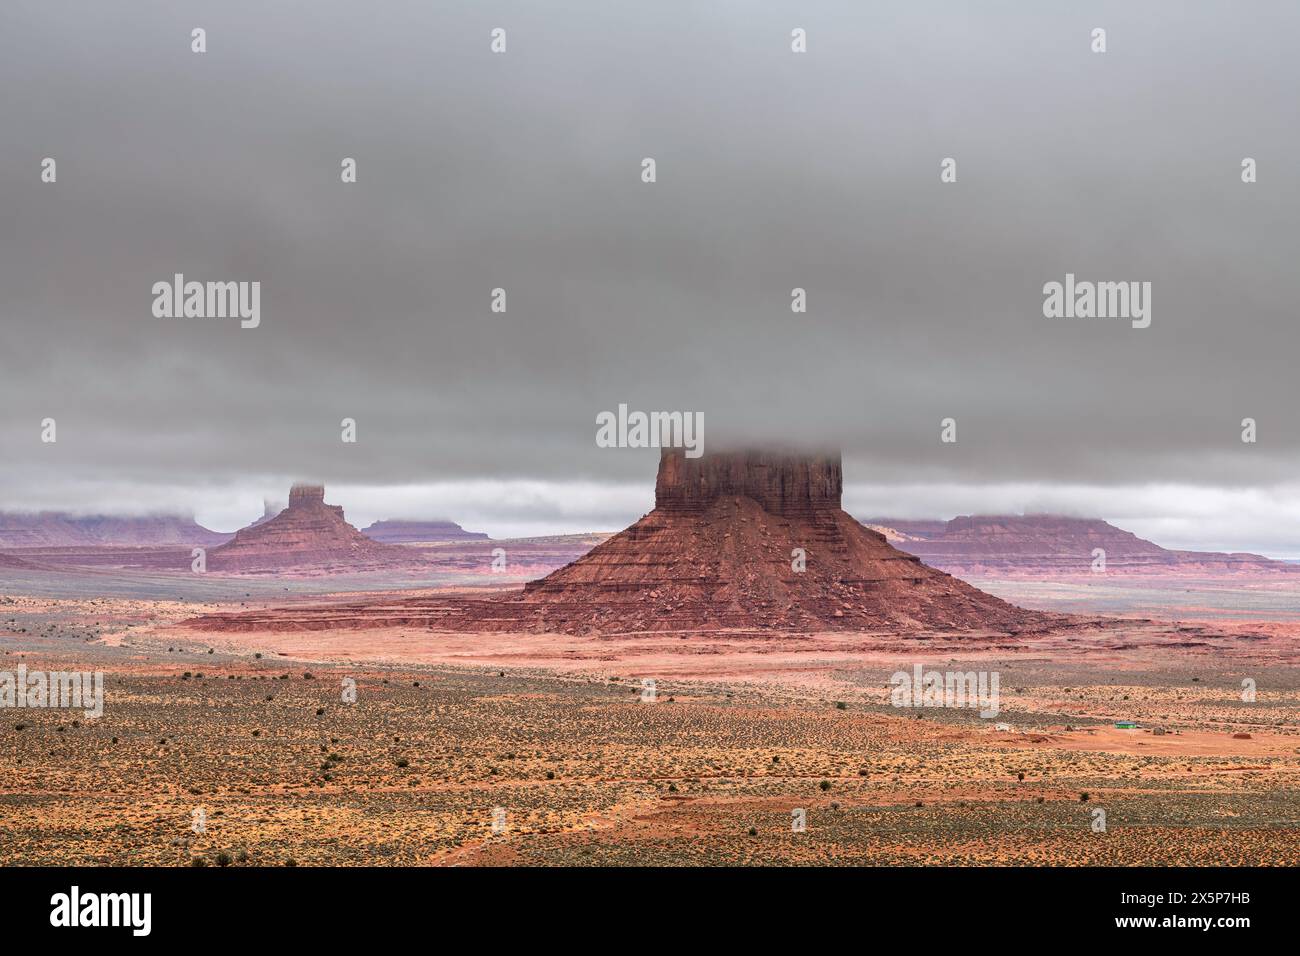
465,749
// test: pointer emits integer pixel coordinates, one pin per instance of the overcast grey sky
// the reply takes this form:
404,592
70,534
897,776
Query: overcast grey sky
775,170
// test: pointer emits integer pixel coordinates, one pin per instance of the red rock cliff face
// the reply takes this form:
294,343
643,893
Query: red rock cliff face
306,497
783,484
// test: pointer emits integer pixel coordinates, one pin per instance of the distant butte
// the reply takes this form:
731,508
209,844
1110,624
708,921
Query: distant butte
308,534
1054,544
419,532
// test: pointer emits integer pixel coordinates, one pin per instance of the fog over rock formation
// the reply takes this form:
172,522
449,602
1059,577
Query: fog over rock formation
973,544
55,529
757,539
783,484
418,532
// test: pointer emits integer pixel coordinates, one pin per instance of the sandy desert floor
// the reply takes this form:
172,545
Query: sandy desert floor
448,732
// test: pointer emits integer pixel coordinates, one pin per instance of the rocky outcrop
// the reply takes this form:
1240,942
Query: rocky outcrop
757,540
307,534
1056,544
419,532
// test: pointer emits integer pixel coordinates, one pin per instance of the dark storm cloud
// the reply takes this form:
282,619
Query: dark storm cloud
521,171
